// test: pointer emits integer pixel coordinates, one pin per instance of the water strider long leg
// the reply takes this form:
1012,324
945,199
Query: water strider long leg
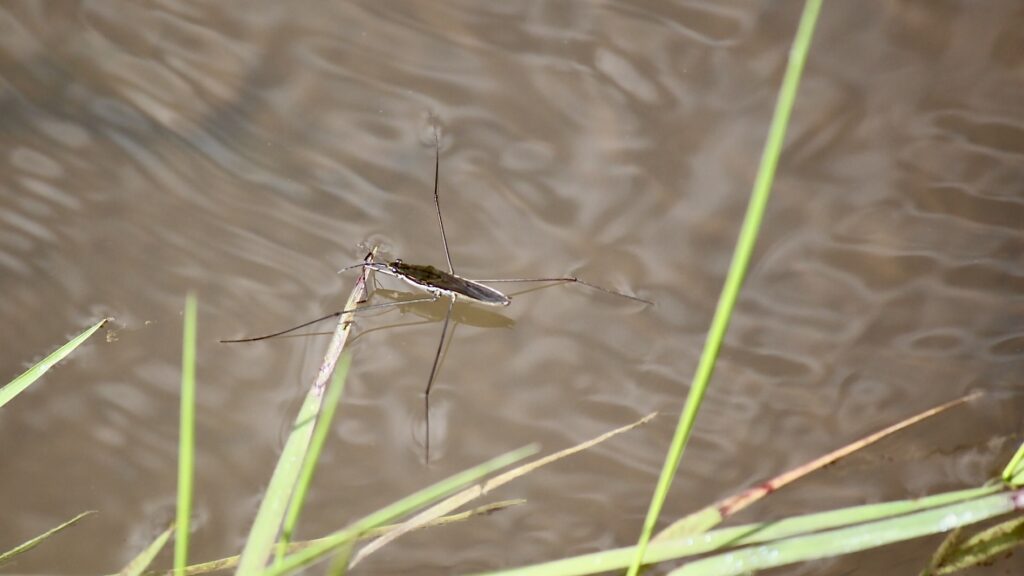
437,202
440,345
431,298
426,441
368,331
433,373
376,286
569,279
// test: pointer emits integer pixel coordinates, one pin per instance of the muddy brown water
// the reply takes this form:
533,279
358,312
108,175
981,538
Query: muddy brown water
246,153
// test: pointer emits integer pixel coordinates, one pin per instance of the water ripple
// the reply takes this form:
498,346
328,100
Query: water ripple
153,149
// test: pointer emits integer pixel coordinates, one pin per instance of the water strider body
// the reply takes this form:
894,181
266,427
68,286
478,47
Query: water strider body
439,284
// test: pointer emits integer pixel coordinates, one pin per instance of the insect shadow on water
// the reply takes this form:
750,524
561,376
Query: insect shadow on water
438,284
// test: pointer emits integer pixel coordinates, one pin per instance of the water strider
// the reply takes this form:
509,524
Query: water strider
438,284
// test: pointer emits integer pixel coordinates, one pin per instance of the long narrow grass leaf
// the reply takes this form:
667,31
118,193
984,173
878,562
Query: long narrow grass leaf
1015,466
709,516
139,564
946,549
323,426
473,492
270,515
682,547
340,563
30,544
272,508
983,547
232,561
1017,480
186,434
407,505
854,538
737,271
19,384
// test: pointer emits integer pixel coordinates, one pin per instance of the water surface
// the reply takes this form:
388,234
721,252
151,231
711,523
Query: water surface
148,149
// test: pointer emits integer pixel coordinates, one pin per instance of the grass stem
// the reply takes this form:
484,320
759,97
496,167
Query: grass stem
737,272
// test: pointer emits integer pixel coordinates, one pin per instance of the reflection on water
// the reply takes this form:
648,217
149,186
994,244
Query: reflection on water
148,149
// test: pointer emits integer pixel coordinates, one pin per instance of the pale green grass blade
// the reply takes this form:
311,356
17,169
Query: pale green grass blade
320,431
710,516
1017,480
19,384
272,508
854,538
269,517
186,434
946,549
984,547
340,563
139,564
662,550
26,546
737,271
402,507
458,500
232,561
1014,468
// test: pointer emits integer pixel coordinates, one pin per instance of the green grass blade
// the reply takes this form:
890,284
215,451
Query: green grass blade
1014,467
269,517
984,547
19,384
713,514
139,564
478,490
1017,480
272,508
737,271
854,538
339,565
186,434
26,546
676,548
402,507
232,561
944,551
320,431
